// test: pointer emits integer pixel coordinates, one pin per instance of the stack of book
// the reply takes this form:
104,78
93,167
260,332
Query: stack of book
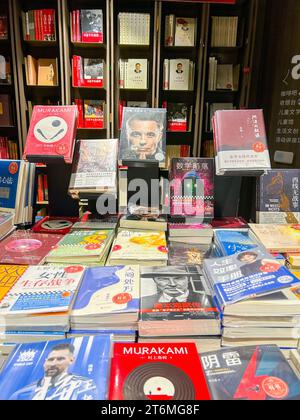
94,169
82,247
88,72
41,71
180,31
5,70
192,234
87,26
134,28
178,74
91,113
278,238
8,149
258,297
141,218
240,142
133,73
39,25
139,247
108,300
186,254
224,31
88,221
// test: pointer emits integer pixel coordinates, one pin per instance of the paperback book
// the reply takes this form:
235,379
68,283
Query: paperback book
230,242
56,225
278,237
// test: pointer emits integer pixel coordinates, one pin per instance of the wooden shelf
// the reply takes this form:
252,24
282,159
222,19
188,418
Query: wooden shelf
87,45
40,44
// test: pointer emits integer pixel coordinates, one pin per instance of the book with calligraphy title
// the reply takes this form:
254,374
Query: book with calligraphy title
107,297
51,133
157,372
254,373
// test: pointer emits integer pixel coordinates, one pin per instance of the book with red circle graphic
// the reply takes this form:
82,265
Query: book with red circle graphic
51,133
250,373
157,372
26,247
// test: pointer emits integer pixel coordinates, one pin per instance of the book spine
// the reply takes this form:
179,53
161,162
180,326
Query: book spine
73,26
36,27
121,105
40,192
45,184
166,83
79,36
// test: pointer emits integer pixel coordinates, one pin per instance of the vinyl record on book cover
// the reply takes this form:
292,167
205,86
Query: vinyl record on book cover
158,381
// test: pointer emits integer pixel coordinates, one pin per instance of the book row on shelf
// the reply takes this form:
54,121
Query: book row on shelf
156,303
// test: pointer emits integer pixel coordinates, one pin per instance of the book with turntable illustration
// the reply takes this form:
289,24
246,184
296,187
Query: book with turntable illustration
57,225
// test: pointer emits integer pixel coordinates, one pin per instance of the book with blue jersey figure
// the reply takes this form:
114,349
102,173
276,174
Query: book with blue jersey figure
246,275
278,196
11,173
230,242
107,295
70,369
255,373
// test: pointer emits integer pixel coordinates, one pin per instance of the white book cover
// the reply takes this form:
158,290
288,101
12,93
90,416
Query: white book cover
179,74
185,32
43,289
136,74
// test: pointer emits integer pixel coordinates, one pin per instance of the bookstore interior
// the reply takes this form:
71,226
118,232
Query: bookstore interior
149,182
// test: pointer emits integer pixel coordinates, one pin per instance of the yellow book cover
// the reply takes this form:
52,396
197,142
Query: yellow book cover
278,238
47,72
9,275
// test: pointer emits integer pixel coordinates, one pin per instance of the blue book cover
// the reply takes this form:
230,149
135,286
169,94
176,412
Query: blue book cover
231,242
107,290
9,178
254,373
278,196
70,369
247,275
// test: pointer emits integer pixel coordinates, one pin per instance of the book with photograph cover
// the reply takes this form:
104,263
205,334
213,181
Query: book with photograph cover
157,372
33,371
95,166
254,373
278,197
136,73
180,76
177,116
143,135
192,187
94,113
91,22
185,254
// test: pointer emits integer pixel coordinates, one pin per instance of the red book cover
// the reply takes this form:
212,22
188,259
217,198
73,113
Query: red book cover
74,31
79,104
78,26
76,70
25,247
157,372
41,25
45,182
51,133
36,26
40,191
229,223
3,27
55,225
91,26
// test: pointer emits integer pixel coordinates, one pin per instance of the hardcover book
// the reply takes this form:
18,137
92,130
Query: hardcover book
136,73
192,187
33,372
91,26
93,113
95,167
57,225
157,372
175,301
179,77
51,133
143,135
185,32
93,68
278,197
177,117
25,247
246,275
255,373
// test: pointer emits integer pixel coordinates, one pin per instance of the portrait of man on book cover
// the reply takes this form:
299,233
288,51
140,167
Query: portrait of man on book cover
143,135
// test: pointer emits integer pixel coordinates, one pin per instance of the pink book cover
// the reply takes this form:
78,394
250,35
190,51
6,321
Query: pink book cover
25,247
198,226
51,133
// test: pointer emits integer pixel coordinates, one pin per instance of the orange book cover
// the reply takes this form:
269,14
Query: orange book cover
9,275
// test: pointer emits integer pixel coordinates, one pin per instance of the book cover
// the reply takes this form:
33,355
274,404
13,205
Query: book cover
229,223
255,373
179,74
192,187
278,238
177,117
175,293
136,73
246,275
94,113
82,244
231,242
52,133
3,27
157,372
9,276
91,26
108,290
185,31
11,174
35,372
95,165
278,198
143,135
185,254
135,245
25,247
47,72
42,289
56,225
6,118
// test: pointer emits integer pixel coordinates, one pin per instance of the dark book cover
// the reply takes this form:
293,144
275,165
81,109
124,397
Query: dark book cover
192,187
175,293
143,135
278,199
6,119
177,117
185,254
92,26
250,373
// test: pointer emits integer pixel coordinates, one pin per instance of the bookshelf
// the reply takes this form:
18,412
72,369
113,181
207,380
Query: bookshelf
10,128
137,52
227,64
91,52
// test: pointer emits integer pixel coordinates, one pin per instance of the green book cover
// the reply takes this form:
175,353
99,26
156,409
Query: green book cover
82,244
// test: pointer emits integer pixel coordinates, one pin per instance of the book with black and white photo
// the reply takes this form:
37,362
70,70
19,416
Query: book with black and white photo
93,68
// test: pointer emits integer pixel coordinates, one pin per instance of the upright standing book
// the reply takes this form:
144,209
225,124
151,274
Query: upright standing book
51,133
91,26
157,372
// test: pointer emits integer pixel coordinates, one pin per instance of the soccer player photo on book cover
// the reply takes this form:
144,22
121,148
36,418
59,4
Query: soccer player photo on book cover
143,135
73,369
